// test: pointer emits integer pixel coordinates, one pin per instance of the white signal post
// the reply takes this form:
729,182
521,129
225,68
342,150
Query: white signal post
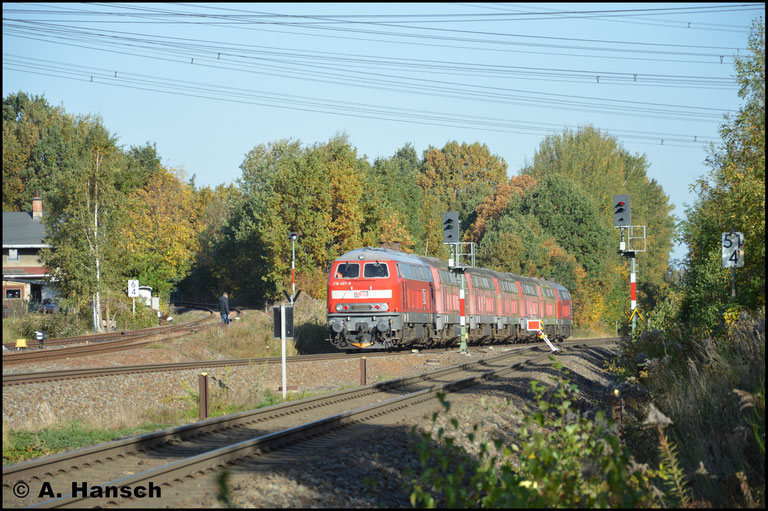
632,290
293,236
282,341
459,270
733,255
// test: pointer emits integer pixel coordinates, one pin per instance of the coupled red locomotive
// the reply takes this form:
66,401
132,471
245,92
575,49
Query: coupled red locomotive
382,298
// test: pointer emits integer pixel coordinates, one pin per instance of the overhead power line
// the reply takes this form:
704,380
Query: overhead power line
55,34
303,103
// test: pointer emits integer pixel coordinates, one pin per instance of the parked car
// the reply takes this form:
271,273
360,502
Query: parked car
48,307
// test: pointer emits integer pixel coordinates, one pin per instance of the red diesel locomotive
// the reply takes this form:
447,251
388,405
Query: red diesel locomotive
382,298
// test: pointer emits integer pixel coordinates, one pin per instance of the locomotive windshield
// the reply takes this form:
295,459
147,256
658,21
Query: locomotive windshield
375,270
347,271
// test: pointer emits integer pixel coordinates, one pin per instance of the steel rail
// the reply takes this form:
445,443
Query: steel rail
108,336
123,341
126,342
190,467
41,468
96,372
52,464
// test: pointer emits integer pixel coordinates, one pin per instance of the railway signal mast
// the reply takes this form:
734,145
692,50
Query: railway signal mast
293,236
635,242
456,248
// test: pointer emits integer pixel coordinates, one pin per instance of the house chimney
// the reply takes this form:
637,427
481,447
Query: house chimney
37,205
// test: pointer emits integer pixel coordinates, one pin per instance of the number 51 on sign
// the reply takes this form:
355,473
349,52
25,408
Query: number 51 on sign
733,254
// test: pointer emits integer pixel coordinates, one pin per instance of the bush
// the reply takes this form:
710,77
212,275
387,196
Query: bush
144,318
713,390
563,459
62,324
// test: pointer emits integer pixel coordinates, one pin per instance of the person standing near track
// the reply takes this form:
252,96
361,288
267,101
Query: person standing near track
224,308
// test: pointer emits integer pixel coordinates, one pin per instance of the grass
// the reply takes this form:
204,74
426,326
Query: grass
591,333
31,442
713,390
252,335
21,445
11,329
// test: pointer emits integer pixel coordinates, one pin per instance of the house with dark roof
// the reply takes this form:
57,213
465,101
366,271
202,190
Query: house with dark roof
25,279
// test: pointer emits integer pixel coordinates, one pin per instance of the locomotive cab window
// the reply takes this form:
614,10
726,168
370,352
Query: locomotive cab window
375,270
347,271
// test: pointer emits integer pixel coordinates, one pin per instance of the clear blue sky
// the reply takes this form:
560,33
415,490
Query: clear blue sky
208,82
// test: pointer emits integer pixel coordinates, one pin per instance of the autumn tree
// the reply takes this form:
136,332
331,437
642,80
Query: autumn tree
492,207
457,177
208,276
159,234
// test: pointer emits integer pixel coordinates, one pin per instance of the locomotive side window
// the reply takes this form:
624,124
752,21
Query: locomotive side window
347,271
375,270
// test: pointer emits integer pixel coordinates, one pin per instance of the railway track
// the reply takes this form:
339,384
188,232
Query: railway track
112,341
172,456
96,372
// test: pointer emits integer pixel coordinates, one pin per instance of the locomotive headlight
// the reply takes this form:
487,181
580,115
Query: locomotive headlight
338,307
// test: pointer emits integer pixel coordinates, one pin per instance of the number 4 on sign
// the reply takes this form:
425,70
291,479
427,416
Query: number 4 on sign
732,250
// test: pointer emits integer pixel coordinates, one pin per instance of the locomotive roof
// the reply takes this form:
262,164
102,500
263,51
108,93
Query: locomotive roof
373,254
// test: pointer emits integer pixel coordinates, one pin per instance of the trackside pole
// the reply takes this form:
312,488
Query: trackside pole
282,340
462,319
293,269
633,291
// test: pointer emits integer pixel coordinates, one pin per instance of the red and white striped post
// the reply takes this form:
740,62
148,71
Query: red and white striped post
632,291
463,348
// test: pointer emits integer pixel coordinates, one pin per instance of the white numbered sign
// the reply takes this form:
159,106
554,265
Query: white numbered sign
733,252
133,288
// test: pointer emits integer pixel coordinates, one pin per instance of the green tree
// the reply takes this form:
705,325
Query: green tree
568,214
393,199
83,222
316,191
597,165
39,141
731,196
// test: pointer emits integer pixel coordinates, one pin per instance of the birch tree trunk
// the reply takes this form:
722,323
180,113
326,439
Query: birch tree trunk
97,298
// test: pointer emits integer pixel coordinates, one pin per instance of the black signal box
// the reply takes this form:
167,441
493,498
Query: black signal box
621,211
288,322
451,227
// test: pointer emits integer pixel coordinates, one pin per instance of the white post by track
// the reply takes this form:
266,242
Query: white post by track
542,335
282,340
293,268
633,293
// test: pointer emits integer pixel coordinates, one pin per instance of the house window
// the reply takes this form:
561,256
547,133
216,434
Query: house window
13,293
13,255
